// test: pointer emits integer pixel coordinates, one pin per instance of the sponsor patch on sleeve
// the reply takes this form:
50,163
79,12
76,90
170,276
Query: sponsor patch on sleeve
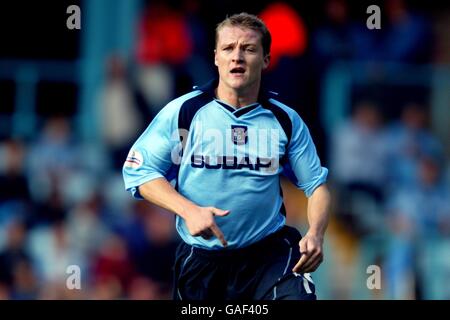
134,160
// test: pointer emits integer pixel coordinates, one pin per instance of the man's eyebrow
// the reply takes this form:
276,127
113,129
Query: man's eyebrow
245,44
249,44
228,44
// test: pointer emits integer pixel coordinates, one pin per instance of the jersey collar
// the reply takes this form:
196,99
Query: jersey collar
238,112
263,97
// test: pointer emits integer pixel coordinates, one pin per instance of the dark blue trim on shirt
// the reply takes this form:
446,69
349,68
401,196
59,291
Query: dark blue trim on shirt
282,117
186,114
245,110
227,107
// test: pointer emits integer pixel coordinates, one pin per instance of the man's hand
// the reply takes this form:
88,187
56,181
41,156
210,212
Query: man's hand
200,222
311,254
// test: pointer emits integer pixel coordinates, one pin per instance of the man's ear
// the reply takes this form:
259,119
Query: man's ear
215,58
266,61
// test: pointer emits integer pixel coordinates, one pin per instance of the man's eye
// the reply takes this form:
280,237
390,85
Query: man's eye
227,48
251,49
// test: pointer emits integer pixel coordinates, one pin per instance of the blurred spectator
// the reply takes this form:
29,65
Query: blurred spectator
358,160
199,67
358,149
153,243
407,37
58,170
52,209
85,228
52,253
332,40
13,181
417,213
120,119
112,269
25,282
53,158
143,288
16,273
361,40
409,140
164,43
14,185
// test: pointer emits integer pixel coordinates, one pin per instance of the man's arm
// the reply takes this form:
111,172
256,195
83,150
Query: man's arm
199,220
311,245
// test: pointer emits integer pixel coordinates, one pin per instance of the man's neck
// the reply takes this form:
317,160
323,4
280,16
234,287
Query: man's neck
235,98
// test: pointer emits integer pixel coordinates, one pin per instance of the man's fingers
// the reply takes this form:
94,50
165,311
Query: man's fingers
312,263
218,233
219,212
313,267
300,263
304,255
207,234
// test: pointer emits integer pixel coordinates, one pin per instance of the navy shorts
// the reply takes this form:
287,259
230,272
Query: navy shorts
261,271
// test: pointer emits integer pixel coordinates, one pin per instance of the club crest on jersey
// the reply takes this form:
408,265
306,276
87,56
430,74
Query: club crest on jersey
239,134
134,159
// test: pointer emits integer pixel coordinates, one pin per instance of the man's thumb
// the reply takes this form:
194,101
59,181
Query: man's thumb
220,213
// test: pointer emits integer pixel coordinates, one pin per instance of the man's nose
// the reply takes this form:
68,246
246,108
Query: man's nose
237,55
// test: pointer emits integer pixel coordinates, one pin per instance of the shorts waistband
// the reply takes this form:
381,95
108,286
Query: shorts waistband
256,247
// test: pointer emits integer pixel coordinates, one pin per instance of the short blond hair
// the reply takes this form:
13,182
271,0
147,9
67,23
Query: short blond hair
250,21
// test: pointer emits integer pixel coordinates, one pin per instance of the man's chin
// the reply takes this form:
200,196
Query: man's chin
239,84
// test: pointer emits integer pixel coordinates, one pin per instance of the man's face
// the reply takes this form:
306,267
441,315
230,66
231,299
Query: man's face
239,57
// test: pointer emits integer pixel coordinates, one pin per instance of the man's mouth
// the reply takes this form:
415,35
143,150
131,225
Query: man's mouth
238,70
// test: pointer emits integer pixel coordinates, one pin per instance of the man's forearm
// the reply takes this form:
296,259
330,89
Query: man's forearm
161,193
319,211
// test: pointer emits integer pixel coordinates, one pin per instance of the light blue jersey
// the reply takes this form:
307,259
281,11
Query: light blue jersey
227,158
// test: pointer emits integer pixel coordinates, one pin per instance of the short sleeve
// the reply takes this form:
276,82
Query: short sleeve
155,152
303,159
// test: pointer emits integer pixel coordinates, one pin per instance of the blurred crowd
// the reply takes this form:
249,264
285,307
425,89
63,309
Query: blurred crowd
62,200
61,205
